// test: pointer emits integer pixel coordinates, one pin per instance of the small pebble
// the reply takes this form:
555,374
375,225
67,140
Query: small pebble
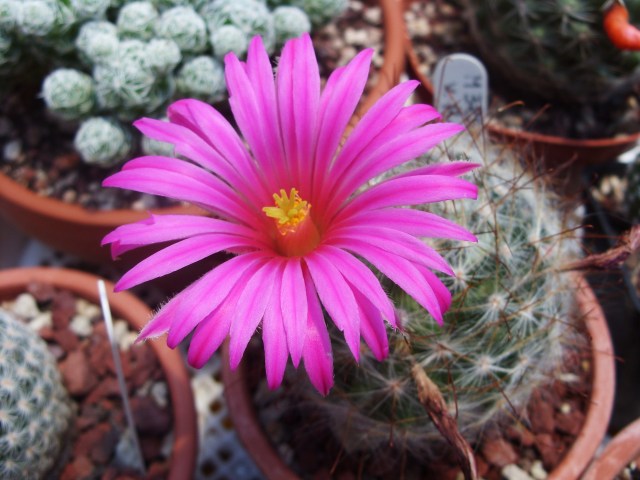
160,394
81,325
356,37
41,320
25,306
87,309
537,471
12,151
565,408
514,472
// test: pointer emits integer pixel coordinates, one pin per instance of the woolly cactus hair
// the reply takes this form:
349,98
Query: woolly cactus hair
36,18
202,78
321,12
185,27
35,410
137,20
9,15
250,16
162,55
289,22
69,93
97,42
89,9
129,85
228,38
102,142
503,337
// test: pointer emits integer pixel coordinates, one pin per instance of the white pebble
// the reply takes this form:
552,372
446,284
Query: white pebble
565,408
81,326
12,151
537,471
356,37
127,341
373,15
514,472
87,308
120,329
25,306
41,320
160,394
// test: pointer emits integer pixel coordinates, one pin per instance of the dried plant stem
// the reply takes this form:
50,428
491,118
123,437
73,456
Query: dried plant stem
434,404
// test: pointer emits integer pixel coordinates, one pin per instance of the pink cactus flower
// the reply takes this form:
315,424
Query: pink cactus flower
294,207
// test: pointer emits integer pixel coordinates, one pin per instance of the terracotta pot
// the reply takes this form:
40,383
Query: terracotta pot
622,450
552,150
255,440
126,306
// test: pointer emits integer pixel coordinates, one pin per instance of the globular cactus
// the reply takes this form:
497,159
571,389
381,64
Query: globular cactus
35,409
102,142
289,22
557,49
124,59
69,93
503,336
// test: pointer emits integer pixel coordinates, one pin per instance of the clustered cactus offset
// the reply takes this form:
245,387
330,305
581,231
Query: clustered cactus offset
122,59
35,410
503,337
557,49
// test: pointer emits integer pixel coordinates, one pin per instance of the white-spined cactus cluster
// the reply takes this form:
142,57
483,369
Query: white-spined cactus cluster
121,59
503,337
35,410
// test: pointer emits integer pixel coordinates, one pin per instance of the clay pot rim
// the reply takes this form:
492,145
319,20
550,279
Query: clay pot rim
575,461
55,208
619,452
128,307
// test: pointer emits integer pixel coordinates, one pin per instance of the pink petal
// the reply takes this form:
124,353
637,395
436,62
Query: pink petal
361,278
202,297
408,119
165,228
179,255
392,241
379,116
298,88
214,128
405,274
337,104
450,169
337,298
213,195
246,107
409,191
254,299
395,152
372,327
159,324
294,308
318,360
413,222
274,338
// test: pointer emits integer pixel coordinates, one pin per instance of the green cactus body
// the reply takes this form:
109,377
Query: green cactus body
250,16
69,93
289,22
555,48
35,410
102,142
503,336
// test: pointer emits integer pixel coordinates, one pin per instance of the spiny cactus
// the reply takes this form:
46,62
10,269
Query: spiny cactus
69,93
503,337
35,410
289,22
556,48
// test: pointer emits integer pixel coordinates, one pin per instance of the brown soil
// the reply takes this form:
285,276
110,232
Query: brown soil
88,372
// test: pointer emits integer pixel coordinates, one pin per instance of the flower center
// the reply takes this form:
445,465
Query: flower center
289,212
297,233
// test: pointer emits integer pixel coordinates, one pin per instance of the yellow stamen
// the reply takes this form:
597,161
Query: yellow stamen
289,211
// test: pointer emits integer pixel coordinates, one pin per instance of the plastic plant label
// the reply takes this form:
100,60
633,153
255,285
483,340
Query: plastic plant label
461,89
